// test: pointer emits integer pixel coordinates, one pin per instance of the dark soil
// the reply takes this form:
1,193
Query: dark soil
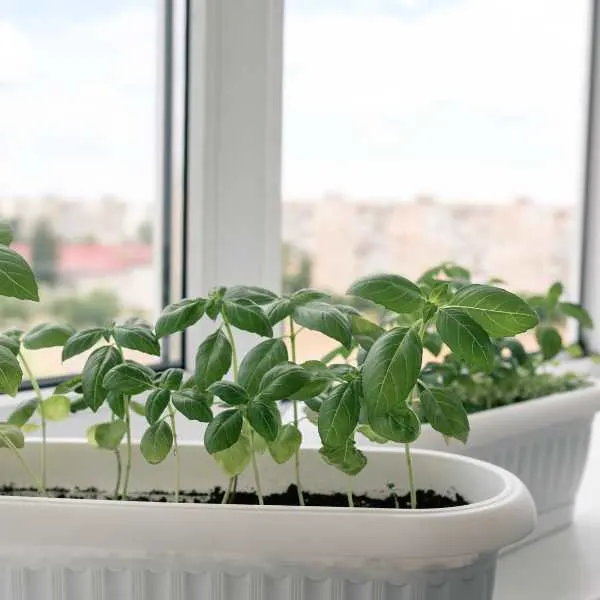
425,498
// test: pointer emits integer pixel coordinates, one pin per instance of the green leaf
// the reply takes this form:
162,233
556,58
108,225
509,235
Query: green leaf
306,295
576,312
137,338
395,293
6,234
554,293
192,405
128,378
156,442
348,459
264,418
433,342
390,372
401,425
368,432
444,412
23,412
171,379
70,385
339,415
343,371
279,310
320,379
223,431
179,316
339,351
10,372
90,434
314,404
549,340
327,319
236,458
456,272
116,403
499,312
213,359
230,393
110,434
10,343
365,332
56,408
81,341
78,404
440,293
11,435
516,349
255,294
248,316
465,338
281,381
138,408
98,364
258,361
16,277
156,403
47,335
288,441
213,307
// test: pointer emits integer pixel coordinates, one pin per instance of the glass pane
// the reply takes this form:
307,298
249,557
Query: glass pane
79,156
423,131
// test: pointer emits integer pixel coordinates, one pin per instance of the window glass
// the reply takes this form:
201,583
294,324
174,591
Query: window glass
423,131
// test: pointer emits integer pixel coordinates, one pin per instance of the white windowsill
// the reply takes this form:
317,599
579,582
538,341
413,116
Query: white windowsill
566,565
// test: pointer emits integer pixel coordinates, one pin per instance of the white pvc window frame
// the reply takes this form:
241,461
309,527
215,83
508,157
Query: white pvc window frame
234,121
590,222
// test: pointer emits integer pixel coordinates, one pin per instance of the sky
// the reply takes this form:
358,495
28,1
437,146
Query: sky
479,100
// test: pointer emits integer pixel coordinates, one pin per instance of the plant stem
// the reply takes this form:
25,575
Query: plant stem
126,400
349,492
176,453
227,494
232,487
296,421
38,483
255,469
411,477
119,472
128,462
234,359
40,400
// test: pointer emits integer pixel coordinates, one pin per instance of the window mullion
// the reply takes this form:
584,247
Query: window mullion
233,147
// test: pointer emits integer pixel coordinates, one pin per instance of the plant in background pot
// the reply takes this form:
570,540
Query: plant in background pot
204,546
541,422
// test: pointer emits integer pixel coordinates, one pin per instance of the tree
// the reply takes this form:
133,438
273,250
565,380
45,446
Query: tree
145,232
96,309
297,269
44,253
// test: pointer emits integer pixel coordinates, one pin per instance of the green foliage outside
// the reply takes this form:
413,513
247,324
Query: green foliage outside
44,253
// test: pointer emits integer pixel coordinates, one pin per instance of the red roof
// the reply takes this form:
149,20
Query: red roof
96,259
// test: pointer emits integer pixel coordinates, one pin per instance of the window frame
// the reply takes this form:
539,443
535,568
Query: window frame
233,172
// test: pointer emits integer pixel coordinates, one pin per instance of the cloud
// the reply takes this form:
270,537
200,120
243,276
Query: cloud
479,98
81,118
15,53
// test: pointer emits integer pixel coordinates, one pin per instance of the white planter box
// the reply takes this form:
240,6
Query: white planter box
53,549
544,442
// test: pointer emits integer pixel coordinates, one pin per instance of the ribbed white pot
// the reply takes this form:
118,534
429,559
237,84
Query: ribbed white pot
52,549
544,442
